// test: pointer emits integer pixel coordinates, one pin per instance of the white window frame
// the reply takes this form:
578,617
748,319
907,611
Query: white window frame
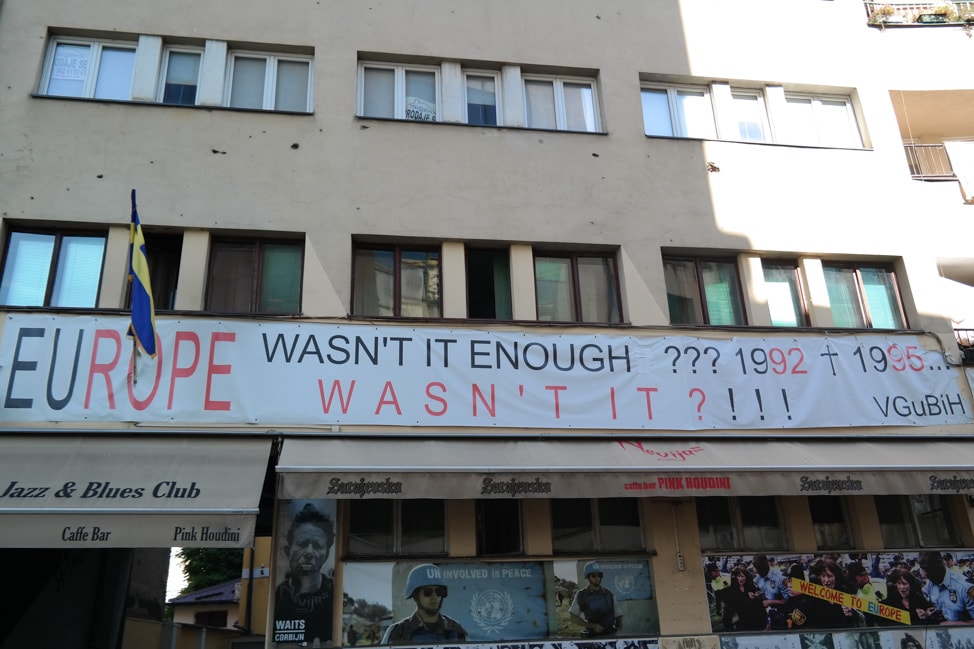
763,114
399,88
672,94
94,63
559,93
164,71
498,99
816,105
270,76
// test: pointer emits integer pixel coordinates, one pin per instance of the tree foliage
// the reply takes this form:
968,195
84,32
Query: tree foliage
208,566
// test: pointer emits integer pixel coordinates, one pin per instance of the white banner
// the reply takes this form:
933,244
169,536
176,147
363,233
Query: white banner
280,373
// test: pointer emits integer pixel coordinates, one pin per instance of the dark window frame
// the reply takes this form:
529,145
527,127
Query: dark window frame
397,251
395,529
256,272
495,536
596,525
738,508
573,257
857,267
793,266
697,260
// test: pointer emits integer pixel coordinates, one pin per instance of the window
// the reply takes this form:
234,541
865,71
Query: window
679,111
703,291
575,287
863,296
211,618
269,82
746,523
580,525
55,269
488,284
254,276
181,77
163,251
906,521
561,104
77,68
399,92
750,116
396,281
482,94
821,120
498,527
396,527
783,291
829,522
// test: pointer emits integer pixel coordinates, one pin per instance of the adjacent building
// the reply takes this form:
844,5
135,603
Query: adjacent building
480,309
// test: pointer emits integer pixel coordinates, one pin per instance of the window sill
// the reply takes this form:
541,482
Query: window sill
500,127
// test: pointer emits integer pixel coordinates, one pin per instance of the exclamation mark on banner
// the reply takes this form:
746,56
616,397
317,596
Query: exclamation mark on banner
757,393
784,396
730,393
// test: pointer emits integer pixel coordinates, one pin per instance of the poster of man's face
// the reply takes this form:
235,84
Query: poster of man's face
304,597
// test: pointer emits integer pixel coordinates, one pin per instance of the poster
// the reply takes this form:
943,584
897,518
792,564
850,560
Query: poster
304,593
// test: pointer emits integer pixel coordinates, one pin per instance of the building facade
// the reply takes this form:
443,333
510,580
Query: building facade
472,312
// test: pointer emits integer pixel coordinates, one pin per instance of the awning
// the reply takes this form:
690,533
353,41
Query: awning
104,492
566,468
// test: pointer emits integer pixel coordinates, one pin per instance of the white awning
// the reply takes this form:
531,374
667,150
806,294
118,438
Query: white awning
566,468
101,491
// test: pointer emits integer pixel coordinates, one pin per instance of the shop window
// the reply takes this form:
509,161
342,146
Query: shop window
562,104
747,523
863,296
920,520
499,527
580,525
254,276
703,291
396,527
89,68
829,522
396,281
575,287
54,269
211,618
269,82
488,284
180,77
783,290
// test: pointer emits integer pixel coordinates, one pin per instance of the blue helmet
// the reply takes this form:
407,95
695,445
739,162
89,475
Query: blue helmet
425,574
590,567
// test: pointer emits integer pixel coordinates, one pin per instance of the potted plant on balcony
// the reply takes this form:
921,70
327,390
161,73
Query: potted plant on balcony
884,15
945,12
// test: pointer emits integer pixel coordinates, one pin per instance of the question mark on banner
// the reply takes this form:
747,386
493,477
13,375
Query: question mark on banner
675,358
703,400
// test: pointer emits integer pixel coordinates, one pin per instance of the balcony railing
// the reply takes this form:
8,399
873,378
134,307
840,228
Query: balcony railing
929,162
965,340
920,13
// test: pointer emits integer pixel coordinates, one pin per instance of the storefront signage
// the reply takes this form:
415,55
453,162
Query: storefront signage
212,372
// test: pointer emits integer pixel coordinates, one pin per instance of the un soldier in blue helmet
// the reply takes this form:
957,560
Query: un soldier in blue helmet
425,586
594,607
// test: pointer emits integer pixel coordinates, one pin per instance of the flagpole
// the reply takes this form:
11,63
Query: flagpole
135,342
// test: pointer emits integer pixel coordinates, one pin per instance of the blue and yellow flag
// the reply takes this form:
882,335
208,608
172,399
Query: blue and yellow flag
143,326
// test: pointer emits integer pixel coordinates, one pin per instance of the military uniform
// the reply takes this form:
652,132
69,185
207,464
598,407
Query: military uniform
412,630
954,597
596,607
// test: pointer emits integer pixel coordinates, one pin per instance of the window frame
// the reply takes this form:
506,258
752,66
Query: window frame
395,530
819,527
762,108
816,108
397,251
861,295
399,89
736,510
697,260
799,295
914,529
59,236
490,520
677,121
96,48
596,523
167,52
269,91
576,288
257,272
561,115
473,256
498,98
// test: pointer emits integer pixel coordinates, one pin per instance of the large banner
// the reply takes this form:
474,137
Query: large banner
211,371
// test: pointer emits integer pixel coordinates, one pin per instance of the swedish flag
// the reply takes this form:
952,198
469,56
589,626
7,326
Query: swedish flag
143,326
